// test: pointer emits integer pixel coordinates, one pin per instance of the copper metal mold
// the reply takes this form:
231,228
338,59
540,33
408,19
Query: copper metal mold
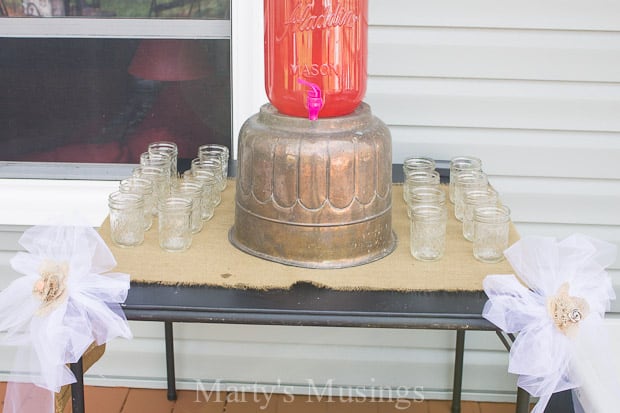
315,194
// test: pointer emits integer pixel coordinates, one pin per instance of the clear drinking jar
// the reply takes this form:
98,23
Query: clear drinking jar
210,190
126,219
491,231
175,228
211,157
467,181
160,179
428,232
425,195
420,178
221,151
191,190
143,187
166,148
461,164
416,163
213,165
158,160
473,199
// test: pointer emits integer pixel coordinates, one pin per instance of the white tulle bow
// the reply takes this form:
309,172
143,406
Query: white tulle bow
65,300
557,307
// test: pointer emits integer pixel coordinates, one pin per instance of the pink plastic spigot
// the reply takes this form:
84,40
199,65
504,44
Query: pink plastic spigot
315,101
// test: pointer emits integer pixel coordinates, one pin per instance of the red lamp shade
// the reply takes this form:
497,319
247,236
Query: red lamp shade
169,60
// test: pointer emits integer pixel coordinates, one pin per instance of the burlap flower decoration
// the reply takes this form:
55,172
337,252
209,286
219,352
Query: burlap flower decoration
567,311
51,288
557,307
66,300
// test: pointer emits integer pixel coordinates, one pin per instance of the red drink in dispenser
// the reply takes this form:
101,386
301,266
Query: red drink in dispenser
316,54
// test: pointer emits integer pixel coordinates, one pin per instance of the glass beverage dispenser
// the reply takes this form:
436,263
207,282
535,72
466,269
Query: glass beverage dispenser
314,181
316,44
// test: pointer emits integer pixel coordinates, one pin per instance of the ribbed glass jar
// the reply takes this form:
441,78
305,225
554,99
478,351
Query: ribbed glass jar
143,187
160,160
191,190
175,228
420,178
474,199
160,179
210,190
461,164
467,181
417,163
211,164
428,232
425,195
167,148
126,219
220,151
491,232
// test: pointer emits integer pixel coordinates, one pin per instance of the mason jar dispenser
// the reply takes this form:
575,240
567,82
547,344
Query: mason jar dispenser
314,166
316,54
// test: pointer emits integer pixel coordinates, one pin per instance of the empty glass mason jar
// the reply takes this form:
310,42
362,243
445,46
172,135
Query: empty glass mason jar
460,164
425,195
126,219
160,179
491,231
160,160
143,187
175,228
220,151
185,188
419,178
428,232
213,165
473,199
210,190
417,163
167,148
467,181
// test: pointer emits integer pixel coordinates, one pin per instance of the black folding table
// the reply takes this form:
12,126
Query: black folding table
307,305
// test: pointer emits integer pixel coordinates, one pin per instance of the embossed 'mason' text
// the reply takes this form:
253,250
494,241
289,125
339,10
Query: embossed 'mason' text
310,70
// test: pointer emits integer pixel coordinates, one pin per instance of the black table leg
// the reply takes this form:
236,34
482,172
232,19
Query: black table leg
561,402
523,401
170,374
458,371
77,388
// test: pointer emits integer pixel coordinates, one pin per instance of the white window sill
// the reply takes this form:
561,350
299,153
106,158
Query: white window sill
27,202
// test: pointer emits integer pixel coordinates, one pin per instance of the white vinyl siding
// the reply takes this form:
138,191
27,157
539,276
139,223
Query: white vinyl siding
532,88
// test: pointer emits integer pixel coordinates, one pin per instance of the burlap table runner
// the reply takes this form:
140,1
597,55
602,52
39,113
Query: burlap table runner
213,261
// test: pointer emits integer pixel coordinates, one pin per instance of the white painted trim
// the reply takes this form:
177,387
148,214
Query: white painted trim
248,92
115,28
37,201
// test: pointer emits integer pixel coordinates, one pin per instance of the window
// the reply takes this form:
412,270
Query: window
73,91
193,9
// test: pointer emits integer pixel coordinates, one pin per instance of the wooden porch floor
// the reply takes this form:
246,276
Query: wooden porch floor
131,400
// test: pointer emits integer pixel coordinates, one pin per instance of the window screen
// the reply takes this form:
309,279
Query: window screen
84,98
